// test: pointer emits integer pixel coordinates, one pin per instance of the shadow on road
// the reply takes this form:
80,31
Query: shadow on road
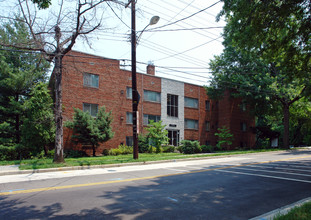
202,195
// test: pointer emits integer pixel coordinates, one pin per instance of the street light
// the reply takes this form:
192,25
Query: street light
153,21
135,94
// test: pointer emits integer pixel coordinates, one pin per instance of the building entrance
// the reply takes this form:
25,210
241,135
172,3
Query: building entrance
173,136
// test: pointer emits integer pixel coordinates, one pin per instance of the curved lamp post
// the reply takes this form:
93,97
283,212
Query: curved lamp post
135,95
153,21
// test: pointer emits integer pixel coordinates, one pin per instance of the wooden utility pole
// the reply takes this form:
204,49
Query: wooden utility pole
134,82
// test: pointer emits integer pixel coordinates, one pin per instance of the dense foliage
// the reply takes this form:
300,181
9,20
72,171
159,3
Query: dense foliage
157,135
266,59
190,147
20,95
38,130
88,130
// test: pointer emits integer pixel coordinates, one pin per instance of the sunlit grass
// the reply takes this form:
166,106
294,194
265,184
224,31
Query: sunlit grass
90,161
302,213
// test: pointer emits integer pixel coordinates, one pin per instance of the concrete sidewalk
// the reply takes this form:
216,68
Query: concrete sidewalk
5,170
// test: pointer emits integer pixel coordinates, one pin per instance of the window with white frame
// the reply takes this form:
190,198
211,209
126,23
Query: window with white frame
191,102
154,118
129,118
91,108
191,124
90,80
172,105
129,93
152,96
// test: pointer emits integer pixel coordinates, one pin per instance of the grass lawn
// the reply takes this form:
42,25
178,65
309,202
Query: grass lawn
302,213
88,161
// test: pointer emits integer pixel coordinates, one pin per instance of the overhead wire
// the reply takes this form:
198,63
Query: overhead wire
178,24
185,51
197,8
170,5
185,18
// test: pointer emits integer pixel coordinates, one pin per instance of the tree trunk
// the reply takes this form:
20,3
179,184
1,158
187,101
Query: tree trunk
17,124
94,150
59,152
286,125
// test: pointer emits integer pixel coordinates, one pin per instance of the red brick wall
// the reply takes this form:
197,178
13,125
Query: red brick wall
112,94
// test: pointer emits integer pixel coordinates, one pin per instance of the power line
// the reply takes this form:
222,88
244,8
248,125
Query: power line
173,55
185,29
194,31
185,18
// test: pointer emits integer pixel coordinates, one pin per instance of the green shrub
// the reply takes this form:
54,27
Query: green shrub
190,147
8,153
152,149
51,153
105,152
122,149
115,152
207,149
69,153
179,148
125,149
168,149
143,144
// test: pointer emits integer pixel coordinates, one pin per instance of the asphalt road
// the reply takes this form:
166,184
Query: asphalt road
237,187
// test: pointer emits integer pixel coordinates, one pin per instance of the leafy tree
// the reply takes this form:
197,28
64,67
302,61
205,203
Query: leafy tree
38,129
54,34
89,130
267,54
42,4
224,137
300,123
19,71
157,134
278,31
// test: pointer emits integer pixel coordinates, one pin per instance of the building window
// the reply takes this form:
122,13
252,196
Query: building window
172,105
91,108
152,96
129,118
243,106
129,140
191,124
154,118
207,105
243,126
191,102
90,80
129,93
207,126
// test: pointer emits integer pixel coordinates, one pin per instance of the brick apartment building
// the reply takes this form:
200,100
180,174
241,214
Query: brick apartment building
89,82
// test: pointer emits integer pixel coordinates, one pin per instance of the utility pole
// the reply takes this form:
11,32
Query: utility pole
134,82
135,94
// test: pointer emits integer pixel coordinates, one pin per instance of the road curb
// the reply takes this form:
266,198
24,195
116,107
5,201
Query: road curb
17,172
281,211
